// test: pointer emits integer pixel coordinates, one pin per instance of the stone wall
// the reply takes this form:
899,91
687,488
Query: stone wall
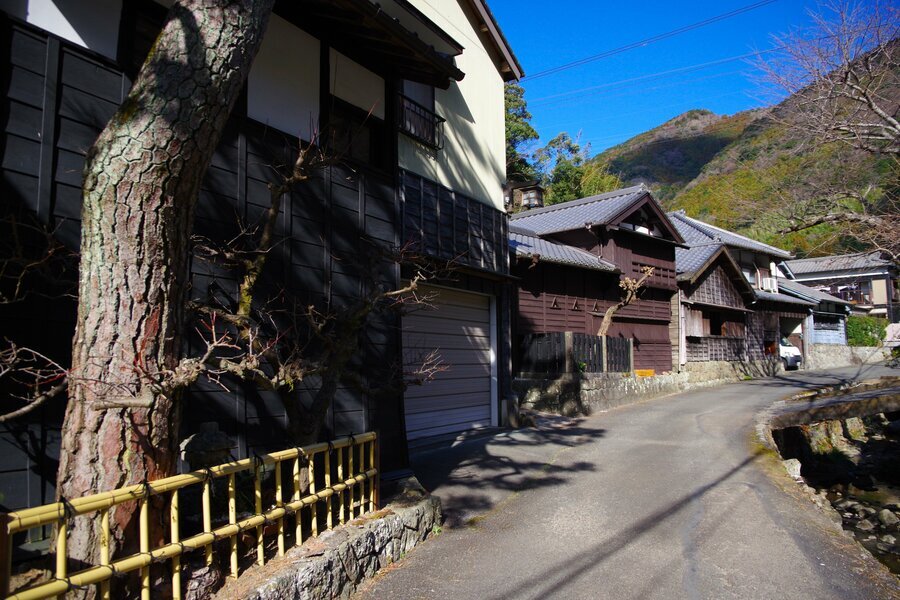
828,356
582,394
334,564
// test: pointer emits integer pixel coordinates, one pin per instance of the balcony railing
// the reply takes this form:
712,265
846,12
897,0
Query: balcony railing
421,123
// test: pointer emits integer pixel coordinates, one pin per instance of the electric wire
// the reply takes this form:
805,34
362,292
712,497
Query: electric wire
648,41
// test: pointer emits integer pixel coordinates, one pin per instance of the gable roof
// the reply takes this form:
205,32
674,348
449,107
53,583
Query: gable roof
526,243
796,288
603,209
697,233
843,262
692,260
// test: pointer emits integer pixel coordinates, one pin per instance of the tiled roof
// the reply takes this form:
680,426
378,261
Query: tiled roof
696,233
526,243
798,288
575,214
843,262
771,297
689,260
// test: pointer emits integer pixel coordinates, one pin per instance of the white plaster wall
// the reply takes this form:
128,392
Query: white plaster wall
283,87
92,24
355,84
473,160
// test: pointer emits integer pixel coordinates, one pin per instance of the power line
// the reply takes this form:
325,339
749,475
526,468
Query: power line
609,94
650,40
687,69
687,104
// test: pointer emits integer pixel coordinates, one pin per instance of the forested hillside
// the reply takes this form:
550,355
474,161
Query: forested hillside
670,156
738,171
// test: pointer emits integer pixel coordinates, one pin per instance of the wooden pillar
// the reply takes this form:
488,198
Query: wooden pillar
569,348
604,357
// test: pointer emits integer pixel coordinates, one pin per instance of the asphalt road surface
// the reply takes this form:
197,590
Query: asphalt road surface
668,498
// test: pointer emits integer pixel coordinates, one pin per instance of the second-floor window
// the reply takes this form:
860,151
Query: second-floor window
418,118
352,134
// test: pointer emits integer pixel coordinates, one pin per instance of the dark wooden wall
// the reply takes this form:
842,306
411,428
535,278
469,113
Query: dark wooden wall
58,98
445,224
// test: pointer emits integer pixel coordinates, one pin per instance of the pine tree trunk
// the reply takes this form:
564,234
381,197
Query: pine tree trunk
141,182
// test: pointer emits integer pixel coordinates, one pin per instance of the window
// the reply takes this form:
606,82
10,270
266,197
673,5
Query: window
418,119
750,275
356,135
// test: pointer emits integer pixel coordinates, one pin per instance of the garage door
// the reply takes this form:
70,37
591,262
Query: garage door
458,326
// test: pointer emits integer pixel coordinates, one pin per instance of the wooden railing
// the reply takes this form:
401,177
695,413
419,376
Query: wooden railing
556,353
339,484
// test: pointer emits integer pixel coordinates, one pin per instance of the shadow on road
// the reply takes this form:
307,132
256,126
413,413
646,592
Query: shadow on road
555,578
473,476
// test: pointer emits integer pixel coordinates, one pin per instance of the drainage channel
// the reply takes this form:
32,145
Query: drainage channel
845,445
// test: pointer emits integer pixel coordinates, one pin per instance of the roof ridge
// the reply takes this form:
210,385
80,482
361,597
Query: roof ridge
833,256
703,226
580,201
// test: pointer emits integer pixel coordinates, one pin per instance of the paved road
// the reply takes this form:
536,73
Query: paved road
662,499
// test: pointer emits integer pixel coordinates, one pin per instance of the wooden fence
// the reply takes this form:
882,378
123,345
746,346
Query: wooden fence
340,483
557,353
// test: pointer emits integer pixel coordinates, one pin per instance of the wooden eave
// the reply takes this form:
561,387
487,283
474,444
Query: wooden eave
431,25
712,305
508,66
366,34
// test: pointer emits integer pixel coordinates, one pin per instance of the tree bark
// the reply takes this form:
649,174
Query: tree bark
141,182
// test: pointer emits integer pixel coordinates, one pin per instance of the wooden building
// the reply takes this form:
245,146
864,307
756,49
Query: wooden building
715,256
869,282
571,256
420,121
712,313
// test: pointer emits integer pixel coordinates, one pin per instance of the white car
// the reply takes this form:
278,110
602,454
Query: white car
790,354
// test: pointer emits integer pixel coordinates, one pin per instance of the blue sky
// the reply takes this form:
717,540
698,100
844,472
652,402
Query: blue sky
598,100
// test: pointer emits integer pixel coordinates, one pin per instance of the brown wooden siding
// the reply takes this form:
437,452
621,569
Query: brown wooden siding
715,287
554,298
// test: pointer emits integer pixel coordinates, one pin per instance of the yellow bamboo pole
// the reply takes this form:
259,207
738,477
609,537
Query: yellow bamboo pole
104,550
127,564
260,541
232,519
5,555
298,534
314,508
351,451
340,475
329,502
374,482
279,502
176,538
207,518
144,527
62,551
51,513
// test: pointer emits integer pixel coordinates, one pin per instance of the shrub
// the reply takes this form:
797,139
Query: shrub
865,331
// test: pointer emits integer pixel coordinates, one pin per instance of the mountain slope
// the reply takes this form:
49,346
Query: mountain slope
670,156
739,171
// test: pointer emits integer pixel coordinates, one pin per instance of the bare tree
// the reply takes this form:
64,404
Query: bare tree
630,290
842,74
842,79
